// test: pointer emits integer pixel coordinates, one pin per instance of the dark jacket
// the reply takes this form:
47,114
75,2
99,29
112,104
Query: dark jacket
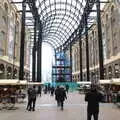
93,98
62,94
32,93
57,94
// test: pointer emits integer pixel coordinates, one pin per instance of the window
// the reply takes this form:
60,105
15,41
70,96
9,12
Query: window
6,7
4,20
2,37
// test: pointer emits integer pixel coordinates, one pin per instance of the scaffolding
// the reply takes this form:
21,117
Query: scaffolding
61,69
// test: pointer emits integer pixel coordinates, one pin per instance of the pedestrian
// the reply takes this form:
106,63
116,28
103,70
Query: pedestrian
67,88
52,91
39,90
57,96
29,92
93,97
62,96
32,98
45,89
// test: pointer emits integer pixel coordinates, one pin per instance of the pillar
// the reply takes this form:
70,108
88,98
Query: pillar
100,44
21,69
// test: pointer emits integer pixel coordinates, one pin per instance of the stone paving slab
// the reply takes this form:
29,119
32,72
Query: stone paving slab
46,109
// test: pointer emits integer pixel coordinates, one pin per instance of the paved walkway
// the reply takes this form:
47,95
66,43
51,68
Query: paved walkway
46,109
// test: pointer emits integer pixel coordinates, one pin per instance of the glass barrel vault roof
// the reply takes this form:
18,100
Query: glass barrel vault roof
59,18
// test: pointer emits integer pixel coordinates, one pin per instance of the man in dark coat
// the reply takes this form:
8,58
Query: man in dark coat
93,97
29,101
32,98
62,96
57,95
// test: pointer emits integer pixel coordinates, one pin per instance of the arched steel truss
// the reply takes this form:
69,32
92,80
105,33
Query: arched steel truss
51,44
59,18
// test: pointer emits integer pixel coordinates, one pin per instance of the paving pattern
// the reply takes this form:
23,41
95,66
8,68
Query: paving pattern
46,109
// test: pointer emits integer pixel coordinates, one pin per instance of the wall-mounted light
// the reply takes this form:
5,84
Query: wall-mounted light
110,72
9,73
1,72
116,71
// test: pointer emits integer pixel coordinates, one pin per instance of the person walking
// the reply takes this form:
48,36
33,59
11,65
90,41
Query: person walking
62,96
52,90
57,95
32,99
67,88
39,90
93,97
29,101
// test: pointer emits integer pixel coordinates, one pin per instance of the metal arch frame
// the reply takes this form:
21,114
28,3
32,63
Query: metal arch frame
56,37
56,27
60,27
57,30
47,23
72,19
60,9
53,31
65,3
60,23
53,37
57,23
68,11
52,15
52,41
49,44
61,14
50,5
57,34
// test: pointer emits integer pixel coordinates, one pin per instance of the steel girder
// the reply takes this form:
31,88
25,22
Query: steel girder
87,11
54,38
49,42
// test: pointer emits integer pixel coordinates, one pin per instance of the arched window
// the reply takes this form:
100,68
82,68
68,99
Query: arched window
4,20
107,25
112,15
17,26
110,72
13,17
6,7
17,32
2,38
116,70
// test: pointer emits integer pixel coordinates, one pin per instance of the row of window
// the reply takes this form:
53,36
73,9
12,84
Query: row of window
107,43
